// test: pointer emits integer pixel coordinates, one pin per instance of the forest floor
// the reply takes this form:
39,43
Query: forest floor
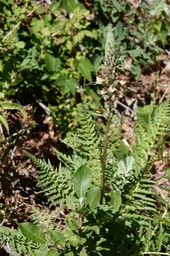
40,135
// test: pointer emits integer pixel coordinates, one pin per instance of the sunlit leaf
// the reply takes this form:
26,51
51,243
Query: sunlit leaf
86,68
4,122
32,232
116,200
82,180
13,106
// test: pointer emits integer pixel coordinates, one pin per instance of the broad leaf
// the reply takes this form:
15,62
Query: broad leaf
86,68
32,232
52,64
70,6
71,201
116,200
43,251
117,5
53,252
124,167
4,2
68,85
93,197
82,180
57,237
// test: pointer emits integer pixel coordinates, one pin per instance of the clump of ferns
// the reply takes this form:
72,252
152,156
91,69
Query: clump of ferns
121,174
129,176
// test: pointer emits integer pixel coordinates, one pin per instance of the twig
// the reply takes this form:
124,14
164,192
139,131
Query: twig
14,28
156,253
11,31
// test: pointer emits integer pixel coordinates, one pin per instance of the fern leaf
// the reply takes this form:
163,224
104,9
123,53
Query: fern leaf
56,184
157,127
85,144
14,241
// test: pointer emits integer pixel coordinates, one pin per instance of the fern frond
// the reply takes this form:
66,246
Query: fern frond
86,145
14,242
146,139
55,183
141,202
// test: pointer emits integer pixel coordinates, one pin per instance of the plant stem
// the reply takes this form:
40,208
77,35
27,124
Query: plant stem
105,148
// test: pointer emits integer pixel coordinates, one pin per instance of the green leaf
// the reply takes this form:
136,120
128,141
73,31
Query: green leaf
4,122
136,52
20,44
124,167
69,254
32,232
4,2
71,85
36,25
13,106
71,201
116,200
82,180
53,252
54,7
52,64
117,5
68,85
43,251
144,114
93,197
57,237
85,68
70,6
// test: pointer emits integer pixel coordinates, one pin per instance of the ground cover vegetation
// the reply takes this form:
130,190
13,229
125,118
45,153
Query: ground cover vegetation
80,70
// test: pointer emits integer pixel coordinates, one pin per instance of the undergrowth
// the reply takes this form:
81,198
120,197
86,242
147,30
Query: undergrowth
104,186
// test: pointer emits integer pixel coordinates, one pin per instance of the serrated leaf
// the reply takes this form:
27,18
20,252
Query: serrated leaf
93,197
68,85
116,200
86,68
82,180
32,232
52,64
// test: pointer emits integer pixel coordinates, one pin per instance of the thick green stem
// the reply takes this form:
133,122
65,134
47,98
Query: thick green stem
104,153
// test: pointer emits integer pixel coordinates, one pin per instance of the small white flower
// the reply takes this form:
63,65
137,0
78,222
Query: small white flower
99,80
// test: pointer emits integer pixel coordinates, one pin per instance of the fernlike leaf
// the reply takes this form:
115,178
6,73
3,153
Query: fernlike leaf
32,232
13,106
82,180
4,122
